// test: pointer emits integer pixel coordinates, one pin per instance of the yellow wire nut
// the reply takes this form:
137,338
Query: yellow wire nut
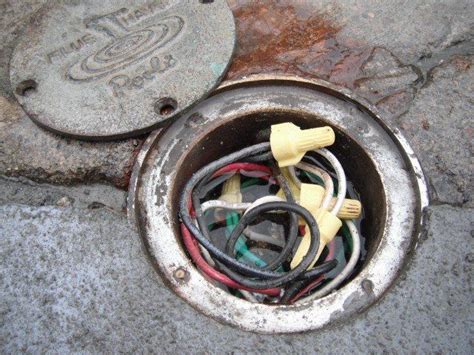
328,225
311,197
289,143
351,209
231,190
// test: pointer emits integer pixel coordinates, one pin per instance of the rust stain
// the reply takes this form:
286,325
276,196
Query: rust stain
285,38
123,181
462,63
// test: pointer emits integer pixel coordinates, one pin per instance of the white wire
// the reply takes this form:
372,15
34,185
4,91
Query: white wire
328,184
260,237
262,200
294,178
224,205
341,177
207,256
249,296
256,174
204,251
347,269
341,194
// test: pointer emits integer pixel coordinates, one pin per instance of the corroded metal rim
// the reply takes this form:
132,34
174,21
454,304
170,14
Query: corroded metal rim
154,184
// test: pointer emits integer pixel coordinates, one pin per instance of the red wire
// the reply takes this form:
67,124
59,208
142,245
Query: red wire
193,249
192,245
316,281
242,166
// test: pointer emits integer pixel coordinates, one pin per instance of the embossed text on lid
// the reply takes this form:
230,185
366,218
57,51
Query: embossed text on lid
112,69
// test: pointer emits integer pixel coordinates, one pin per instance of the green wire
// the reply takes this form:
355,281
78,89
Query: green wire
314,178
232,219
347,236
250,182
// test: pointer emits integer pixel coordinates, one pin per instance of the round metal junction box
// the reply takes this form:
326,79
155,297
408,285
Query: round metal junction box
377,159
112,69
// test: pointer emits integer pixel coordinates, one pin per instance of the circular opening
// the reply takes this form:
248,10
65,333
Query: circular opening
376,159
247,130
26,87
165,106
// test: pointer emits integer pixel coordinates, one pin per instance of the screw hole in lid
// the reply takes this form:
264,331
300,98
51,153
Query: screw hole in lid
25,87
165,106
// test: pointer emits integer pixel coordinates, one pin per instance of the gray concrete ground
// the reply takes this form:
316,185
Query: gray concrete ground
75,280
73,275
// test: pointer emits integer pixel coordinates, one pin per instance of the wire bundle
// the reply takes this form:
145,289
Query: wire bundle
230,262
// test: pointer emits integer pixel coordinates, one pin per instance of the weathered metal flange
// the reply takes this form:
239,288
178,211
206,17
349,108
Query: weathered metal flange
377,159
112,69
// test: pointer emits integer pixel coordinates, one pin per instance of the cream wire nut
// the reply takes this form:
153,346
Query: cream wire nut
289,143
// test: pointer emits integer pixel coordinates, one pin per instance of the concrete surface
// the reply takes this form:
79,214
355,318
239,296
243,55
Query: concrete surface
443,110
385,51
73,276
75,280
27,192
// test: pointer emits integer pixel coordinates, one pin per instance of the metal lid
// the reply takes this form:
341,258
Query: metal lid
109,69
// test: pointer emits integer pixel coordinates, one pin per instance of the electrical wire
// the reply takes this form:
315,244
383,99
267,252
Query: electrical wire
249,296
262,200
294,178
327,180
341,178
334,283
236,266
274,264
233,167
293,229
310,286
201,177
193,249
260,237
215,182
301,267
242,249
244,206
238,206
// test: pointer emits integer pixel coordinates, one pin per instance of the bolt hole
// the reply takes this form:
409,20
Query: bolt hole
165,106
26,87
368,286
206,1
181,274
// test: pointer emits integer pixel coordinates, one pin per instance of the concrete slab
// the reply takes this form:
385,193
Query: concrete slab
439,125
27,192
380,50
74,280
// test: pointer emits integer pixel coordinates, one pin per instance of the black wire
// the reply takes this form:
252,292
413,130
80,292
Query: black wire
308,277
268,279
260,158
302,278
283,255
293,230
188,221
206,243
283,278
204,190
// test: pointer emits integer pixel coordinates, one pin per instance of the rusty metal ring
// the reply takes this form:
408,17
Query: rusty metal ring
376,157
